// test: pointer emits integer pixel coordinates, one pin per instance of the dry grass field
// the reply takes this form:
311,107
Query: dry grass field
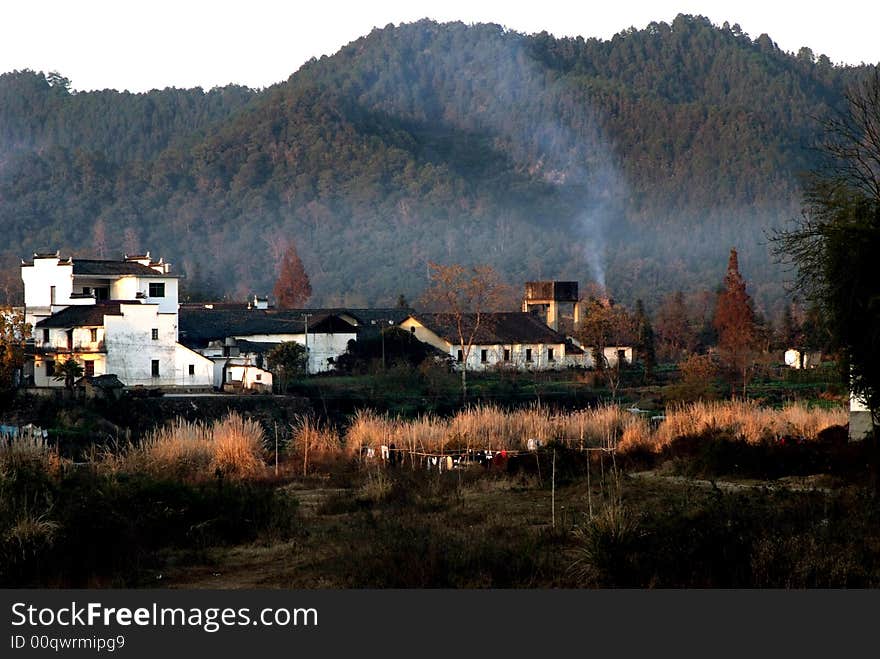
710,495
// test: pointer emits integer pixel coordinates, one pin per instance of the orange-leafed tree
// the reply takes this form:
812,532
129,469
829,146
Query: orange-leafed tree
735,323
292,288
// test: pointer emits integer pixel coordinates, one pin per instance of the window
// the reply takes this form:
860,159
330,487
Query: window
155,368
51,295
460,356
50,368
89,368
157,289
192,369
93,335
621,357
412,329
259,377
549,354
507,354
45,336
102,293
528,354
155,334
484,356
87,290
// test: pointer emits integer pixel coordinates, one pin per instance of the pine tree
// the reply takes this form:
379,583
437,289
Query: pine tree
735,323
292,288
645,340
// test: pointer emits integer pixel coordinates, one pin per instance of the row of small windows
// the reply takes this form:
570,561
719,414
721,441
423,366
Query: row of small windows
156,289
484,355
93,335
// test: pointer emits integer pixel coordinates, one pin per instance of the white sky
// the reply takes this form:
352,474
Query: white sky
140,45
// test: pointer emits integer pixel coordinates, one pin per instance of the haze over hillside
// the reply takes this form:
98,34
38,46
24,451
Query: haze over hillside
639,161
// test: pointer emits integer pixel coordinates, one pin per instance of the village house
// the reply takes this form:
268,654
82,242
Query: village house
238,338
799,359
112,317
517,340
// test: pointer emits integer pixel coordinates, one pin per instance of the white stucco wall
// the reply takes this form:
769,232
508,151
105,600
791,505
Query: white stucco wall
794,357
128,288
41,379
203,375
38,280
251,376
321,346
610,353
540,357
131,348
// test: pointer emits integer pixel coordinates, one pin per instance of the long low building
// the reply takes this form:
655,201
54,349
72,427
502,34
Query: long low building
238,337
516,339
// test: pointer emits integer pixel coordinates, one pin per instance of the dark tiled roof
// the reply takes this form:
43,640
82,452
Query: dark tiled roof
380,315
87,315
97,268
198,326
256,346
495,328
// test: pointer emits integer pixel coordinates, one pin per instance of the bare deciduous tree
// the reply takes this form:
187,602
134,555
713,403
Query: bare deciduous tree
467,295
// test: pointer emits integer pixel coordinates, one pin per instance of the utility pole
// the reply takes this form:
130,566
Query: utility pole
307,316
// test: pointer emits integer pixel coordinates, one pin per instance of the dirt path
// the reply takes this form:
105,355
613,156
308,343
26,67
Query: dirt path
794,485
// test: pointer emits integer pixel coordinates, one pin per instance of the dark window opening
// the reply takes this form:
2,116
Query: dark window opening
484,356
259,376
87,290
45,336
549,354
155,368
192,369
50,369
413,329
93,335
507,354
155,334
621,357
102,293
528,354
460,356
89,368
157,289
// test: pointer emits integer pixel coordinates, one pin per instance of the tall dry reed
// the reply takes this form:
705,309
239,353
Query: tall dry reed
607,426
490,427
231,447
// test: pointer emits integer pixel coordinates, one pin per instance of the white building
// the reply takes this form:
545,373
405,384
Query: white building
802,359
237,338
112,317
510,339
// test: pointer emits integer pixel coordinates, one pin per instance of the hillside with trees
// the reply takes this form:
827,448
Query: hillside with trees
639,161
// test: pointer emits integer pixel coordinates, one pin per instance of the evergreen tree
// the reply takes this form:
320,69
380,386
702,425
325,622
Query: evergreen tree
735,323
292,288
645,340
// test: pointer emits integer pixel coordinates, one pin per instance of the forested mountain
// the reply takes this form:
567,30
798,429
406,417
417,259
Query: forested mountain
641,160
